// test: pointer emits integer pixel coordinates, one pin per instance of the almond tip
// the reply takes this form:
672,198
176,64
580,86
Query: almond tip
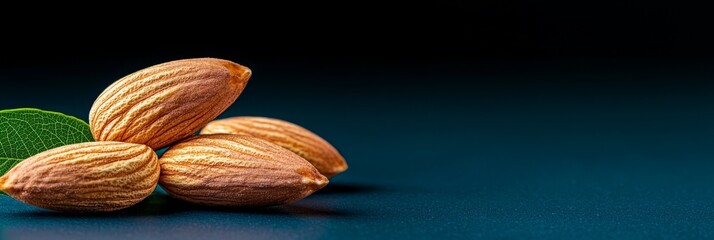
3,186
316,183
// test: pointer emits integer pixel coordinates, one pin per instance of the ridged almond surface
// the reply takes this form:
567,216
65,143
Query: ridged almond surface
236,171
165,103
288,135
85,177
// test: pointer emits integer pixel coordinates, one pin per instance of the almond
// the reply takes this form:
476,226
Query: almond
164,103
288,135
85,177
236,171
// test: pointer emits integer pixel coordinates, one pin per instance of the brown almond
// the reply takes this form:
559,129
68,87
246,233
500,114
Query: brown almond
164,103
288,135
236,171
85,177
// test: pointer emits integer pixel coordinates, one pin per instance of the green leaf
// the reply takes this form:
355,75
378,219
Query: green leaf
25,132
7,163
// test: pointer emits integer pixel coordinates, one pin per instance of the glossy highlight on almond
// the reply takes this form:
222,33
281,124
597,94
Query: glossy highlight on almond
162,104
236,171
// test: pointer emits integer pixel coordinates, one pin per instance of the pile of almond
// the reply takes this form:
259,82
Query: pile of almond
234,162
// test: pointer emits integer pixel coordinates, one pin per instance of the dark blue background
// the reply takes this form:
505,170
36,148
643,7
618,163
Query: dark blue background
499,120
518,149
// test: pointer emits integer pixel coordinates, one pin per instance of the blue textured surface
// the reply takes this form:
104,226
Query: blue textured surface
514,156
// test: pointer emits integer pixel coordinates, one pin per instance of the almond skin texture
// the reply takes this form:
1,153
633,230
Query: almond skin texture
288,135
236,171
165,103
85,177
